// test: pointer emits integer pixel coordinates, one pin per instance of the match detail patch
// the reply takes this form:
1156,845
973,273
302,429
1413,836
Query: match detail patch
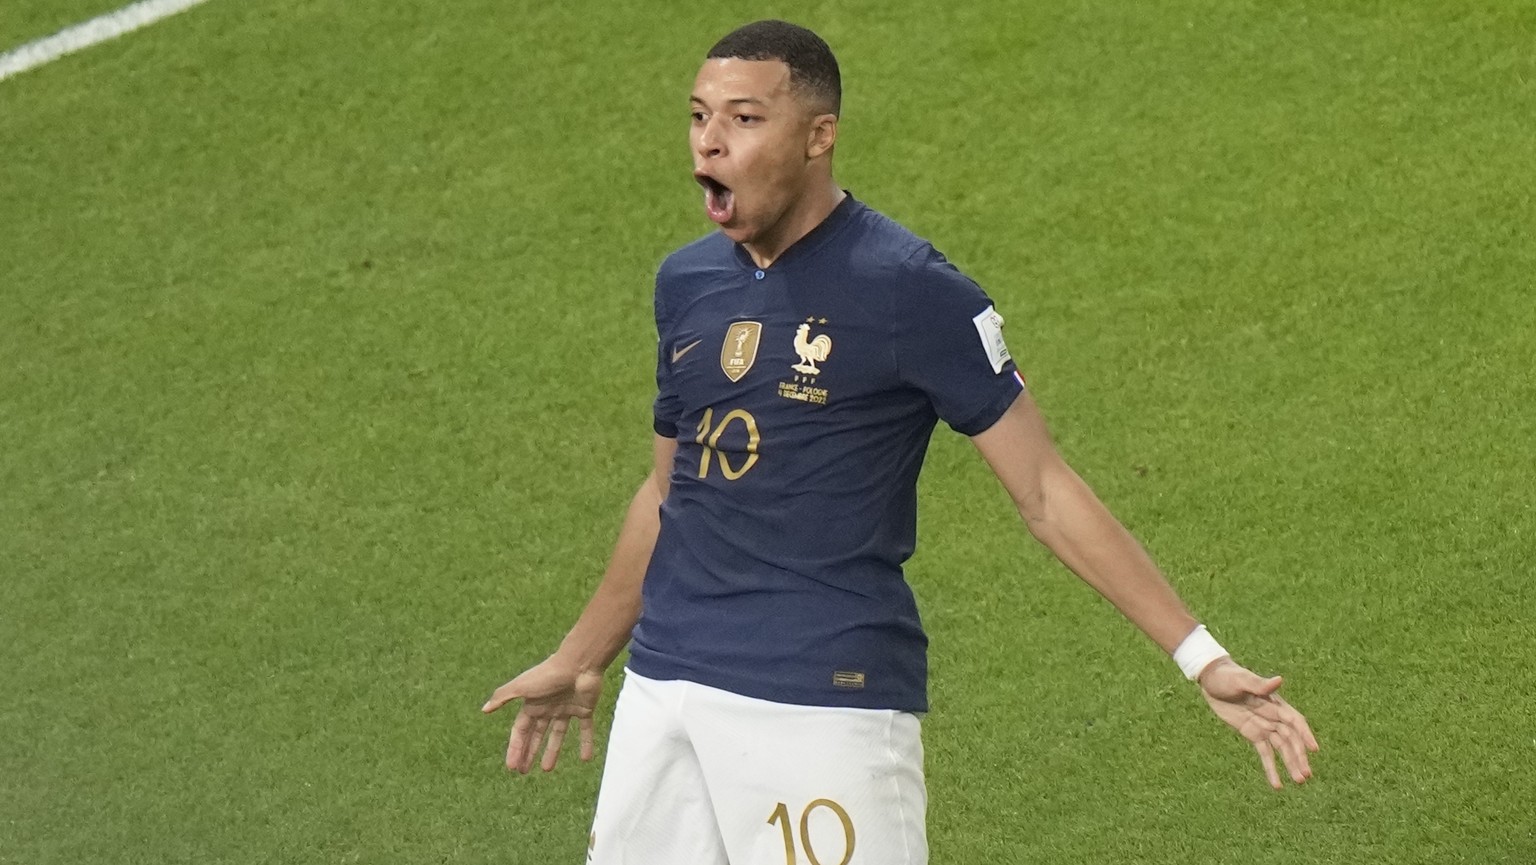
990,325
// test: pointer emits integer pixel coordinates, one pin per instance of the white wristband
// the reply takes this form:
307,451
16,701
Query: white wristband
1197,651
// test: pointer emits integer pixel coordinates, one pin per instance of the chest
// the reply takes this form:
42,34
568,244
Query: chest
778,344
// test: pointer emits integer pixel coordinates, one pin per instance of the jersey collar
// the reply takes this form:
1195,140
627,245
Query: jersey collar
813,240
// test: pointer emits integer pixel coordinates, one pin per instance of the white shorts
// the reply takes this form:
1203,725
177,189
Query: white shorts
699,776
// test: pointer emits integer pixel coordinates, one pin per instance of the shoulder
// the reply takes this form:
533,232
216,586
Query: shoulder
876,244
928,274
709,253
924,287
909,263
687,271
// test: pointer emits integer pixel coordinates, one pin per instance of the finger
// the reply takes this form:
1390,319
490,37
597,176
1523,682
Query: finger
1261,687
1292,745
540,725
1258,726
1267,758
500,697
517,742
1298,741
1298,722
1293,753
556,740
588,748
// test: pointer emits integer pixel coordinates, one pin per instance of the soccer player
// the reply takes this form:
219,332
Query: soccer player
770,709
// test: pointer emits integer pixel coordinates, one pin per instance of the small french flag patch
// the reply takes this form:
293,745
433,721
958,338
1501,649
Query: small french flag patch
1019,377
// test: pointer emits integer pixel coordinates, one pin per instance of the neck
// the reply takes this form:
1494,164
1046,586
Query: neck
806,214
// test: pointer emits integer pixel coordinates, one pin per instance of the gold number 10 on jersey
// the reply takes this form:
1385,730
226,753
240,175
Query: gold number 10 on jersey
709,436
781,816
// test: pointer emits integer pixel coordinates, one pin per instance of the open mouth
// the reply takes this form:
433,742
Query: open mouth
719,201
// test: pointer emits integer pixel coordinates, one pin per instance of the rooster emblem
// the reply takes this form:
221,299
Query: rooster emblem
810,350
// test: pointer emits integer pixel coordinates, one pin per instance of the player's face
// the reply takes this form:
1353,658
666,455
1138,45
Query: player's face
754,141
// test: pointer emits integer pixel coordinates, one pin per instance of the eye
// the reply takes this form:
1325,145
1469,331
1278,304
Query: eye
748,119
698,116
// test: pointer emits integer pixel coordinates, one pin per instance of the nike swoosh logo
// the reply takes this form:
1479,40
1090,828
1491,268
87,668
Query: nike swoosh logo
679,352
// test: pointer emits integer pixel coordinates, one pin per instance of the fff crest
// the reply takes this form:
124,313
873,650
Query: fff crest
739,350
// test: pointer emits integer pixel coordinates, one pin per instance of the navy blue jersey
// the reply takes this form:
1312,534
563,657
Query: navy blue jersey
802,397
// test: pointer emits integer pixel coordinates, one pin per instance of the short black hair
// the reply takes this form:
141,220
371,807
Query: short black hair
812,68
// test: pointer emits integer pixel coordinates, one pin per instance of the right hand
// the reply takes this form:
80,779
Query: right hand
553,693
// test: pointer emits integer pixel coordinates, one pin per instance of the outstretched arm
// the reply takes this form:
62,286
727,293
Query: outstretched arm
567,684
1065,515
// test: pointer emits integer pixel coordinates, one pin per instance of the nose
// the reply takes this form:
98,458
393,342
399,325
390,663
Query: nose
708,140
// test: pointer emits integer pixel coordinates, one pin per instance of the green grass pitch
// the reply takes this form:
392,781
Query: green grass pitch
325,352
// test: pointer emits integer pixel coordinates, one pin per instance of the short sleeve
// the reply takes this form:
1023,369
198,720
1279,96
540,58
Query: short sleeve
949,345
667,408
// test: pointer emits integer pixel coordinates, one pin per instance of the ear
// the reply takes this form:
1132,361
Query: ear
822,135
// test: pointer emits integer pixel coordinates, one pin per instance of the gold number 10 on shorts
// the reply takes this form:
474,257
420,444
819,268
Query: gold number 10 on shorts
709,437
780,816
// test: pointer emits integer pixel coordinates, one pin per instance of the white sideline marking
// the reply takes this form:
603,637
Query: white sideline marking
88,33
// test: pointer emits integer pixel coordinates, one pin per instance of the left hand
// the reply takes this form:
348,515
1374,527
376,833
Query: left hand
1249,703
553,693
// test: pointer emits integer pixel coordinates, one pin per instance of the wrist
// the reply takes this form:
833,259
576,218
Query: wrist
582,657
1222,661
1198,652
